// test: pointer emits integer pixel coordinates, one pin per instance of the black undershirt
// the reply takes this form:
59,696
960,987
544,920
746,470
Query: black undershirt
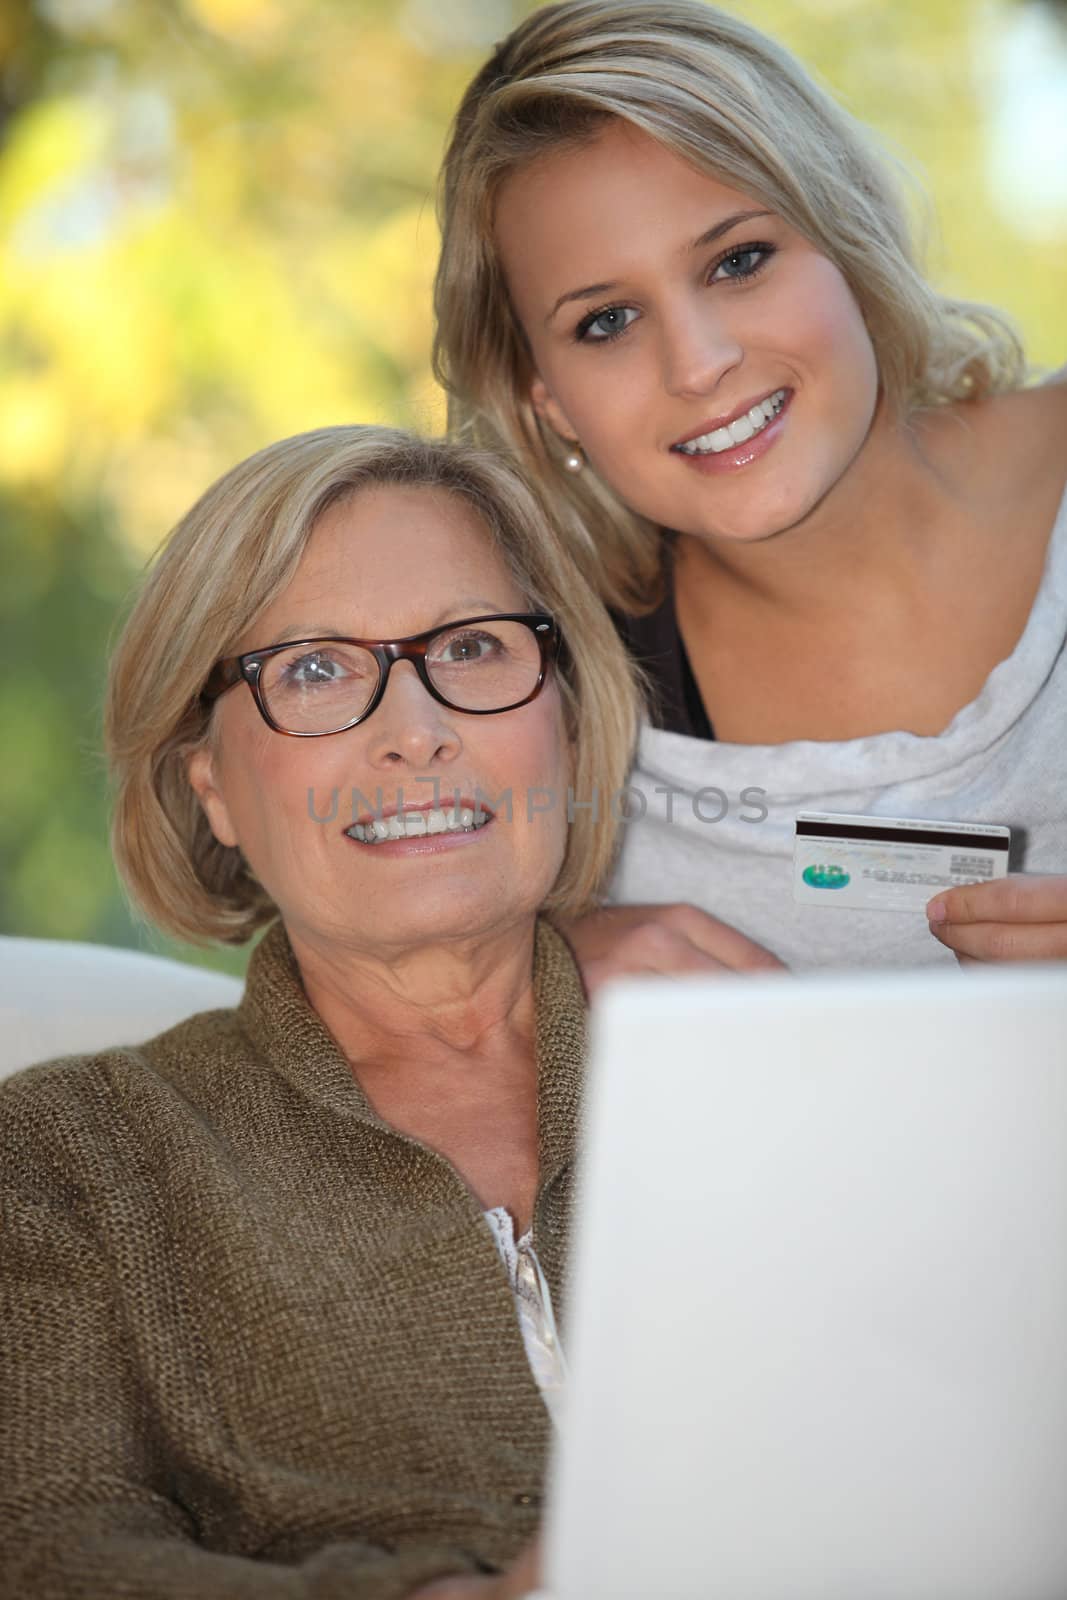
656,643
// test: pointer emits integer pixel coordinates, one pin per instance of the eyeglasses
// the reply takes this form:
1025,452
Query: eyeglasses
311,687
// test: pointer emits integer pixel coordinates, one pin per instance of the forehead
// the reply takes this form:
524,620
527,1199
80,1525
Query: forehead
583,208
611,146
390,560
438,521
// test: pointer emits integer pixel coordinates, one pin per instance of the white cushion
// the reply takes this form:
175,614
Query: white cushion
59,998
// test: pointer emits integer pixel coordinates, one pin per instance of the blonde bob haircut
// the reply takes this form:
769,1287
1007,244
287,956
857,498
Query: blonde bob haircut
226,561
739,107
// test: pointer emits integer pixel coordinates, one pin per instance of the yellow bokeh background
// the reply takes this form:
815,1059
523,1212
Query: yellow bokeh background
217,227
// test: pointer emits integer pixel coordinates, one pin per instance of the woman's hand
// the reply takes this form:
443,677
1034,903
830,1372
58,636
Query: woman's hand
522,1578
1018,918
623,941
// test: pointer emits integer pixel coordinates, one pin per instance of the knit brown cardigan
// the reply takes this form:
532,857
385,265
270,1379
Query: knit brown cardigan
254,1342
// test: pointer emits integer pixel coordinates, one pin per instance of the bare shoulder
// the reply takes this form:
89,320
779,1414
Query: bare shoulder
1011,454
1025,430
1043,404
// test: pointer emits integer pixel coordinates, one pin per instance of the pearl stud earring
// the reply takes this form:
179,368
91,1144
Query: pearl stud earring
574,461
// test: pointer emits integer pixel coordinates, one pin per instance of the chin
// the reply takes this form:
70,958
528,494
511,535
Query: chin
752,530
764,519
754,534
444,919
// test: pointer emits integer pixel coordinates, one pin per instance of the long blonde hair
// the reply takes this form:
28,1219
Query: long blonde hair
225,562
738,106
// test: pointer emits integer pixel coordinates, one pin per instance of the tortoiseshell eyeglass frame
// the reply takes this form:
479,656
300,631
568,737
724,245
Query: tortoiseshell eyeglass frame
248,666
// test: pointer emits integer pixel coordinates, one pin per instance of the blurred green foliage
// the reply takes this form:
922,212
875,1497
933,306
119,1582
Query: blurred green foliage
216,227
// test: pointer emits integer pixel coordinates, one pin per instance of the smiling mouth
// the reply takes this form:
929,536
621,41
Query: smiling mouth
420,824
738,432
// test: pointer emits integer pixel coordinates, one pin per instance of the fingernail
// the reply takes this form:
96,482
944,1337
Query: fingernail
937,911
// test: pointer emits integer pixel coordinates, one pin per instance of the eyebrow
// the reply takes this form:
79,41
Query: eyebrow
706,238
462,609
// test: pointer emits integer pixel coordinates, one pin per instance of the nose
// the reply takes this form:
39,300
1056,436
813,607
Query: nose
408,726
699,349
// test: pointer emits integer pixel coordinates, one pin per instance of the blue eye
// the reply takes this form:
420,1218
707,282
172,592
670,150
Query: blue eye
307,670
316,668
742,263
600,326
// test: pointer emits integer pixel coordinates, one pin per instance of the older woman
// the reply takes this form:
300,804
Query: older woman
281,1286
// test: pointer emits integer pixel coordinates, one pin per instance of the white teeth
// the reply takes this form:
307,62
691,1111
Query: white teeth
414,824
737,432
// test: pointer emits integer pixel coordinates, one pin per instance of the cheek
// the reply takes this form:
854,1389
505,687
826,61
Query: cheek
833,325
559,765
538,767
614,417
276,788
600,407
552,744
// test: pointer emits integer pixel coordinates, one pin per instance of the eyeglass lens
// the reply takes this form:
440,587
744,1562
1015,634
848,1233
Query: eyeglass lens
321,688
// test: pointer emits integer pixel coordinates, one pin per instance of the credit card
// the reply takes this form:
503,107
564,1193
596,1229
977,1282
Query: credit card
890,863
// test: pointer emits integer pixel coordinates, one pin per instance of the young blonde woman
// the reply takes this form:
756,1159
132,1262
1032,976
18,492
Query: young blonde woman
677,283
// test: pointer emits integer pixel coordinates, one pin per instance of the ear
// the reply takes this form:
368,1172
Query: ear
548,408
203,780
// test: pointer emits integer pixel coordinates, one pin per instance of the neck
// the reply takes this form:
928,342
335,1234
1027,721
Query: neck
432,1004
885,521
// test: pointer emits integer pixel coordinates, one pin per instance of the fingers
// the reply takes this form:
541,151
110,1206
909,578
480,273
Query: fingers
1004,941
524,1576
620,940
1022,917
662,941
676,961
728,947
520,1580
1030,897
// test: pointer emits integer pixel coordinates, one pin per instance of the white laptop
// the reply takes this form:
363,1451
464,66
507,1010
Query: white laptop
817,1330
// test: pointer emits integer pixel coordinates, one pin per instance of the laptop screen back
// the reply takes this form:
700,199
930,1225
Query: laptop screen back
818,1311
